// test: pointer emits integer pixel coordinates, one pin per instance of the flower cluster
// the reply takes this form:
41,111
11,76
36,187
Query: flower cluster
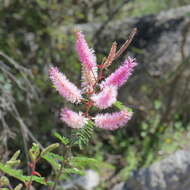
95,90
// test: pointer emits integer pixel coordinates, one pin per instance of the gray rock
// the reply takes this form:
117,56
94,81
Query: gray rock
87,182
161,47
119,186
172,173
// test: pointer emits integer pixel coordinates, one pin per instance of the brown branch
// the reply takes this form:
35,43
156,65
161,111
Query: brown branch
111,56
126,44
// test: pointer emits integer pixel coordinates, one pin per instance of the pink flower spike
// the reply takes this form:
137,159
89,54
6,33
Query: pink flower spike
86,54
120,76
65,88
112,121
106,97
73,119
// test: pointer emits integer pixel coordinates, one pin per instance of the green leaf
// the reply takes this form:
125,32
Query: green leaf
120,106
56,156
64,140
19,175
13,161
80,161
50,148
15,155
18,187
14,173
73,171
53,160
40,180
82,136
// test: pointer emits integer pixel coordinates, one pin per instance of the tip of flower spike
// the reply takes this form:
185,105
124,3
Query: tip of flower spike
130,61
53,70
78,33
86,54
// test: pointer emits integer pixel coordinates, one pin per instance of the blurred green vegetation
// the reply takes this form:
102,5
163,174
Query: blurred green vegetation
142,7
30,37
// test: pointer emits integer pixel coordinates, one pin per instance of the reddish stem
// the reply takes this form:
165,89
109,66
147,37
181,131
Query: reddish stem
32,165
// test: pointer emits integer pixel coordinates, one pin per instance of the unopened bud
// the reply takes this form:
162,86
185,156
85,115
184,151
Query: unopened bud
4,181
18,187
50,148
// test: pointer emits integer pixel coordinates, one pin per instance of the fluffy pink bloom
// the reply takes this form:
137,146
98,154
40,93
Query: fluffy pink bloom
120,76
88,60
86,54
73,119
106,97
65,88
112,121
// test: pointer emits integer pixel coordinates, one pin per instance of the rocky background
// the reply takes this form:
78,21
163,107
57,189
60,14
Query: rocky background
162,45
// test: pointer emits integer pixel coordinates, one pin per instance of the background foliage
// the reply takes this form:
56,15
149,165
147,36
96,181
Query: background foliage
30,41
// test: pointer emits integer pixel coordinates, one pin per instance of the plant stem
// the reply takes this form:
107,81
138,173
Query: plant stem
57,176
33,169
63,163
10,187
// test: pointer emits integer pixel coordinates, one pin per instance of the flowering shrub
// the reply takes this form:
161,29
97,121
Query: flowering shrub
97,91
